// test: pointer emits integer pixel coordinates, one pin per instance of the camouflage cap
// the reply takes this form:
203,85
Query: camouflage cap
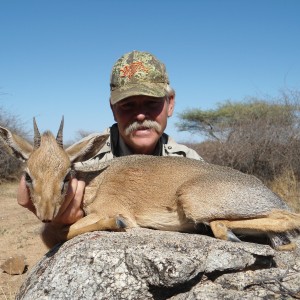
137,73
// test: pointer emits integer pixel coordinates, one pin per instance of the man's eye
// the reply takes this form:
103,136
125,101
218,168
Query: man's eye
154,104
126,106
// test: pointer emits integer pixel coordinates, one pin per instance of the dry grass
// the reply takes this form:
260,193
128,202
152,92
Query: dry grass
288,188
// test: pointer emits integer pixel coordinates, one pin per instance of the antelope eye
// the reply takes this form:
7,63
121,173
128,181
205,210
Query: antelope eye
68,176
65,182
28,178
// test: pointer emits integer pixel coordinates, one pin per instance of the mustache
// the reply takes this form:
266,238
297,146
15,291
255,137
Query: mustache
147,124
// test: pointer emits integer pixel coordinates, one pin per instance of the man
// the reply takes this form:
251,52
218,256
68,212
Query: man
141,101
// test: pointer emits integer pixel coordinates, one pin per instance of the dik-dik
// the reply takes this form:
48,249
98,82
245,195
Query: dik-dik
165,193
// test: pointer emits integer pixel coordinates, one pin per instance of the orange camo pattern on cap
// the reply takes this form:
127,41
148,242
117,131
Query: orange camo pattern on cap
130,70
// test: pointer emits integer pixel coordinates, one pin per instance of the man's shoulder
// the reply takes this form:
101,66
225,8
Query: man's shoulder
172,148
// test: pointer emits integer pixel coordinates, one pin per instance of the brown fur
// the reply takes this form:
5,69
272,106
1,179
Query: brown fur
165,193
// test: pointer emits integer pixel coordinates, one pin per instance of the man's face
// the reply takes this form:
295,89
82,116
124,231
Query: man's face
142,120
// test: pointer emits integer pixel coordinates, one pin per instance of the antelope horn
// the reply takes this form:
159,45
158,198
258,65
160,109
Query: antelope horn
37,136
59,137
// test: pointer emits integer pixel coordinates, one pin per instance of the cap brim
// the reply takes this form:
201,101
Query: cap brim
145,89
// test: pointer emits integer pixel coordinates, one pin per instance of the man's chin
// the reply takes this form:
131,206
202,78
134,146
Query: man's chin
144,143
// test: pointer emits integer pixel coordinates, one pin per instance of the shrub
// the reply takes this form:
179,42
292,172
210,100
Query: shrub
10,167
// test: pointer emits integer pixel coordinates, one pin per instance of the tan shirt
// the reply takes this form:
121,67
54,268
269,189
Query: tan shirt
115,147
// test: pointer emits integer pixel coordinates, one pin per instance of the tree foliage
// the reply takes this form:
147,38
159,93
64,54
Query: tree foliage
257,136
230,117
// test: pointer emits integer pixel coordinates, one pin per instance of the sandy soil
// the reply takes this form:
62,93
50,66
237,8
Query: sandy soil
19,234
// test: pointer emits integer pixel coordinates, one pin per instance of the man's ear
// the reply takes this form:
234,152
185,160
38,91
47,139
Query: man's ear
171,105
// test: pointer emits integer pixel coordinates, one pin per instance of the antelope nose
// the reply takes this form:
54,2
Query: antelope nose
46,221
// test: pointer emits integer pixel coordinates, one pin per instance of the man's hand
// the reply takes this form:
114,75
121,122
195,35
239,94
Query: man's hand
70,211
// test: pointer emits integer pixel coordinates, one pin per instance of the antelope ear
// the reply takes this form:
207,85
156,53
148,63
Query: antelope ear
16,145
86,148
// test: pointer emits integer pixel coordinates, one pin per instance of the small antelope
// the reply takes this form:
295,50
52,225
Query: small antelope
165,193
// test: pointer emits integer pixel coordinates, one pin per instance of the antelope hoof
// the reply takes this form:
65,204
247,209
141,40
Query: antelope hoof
281,241
288,247
121,223
232,237
222,232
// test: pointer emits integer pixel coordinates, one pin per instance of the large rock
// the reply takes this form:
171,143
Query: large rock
148,264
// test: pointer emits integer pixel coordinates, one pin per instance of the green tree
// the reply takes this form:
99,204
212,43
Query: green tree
257,136
228,118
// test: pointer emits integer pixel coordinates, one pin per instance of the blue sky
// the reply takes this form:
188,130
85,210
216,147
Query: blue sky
56,56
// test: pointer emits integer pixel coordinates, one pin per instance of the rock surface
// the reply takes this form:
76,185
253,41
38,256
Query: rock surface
14,265
148,264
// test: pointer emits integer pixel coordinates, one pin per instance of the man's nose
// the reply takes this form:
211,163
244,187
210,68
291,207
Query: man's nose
141,114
